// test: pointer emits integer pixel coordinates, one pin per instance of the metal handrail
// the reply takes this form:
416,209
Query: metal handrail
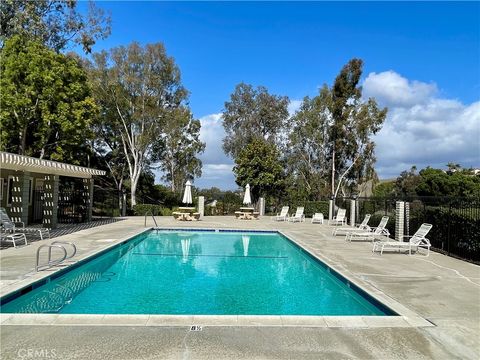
153,217
50,262
67,243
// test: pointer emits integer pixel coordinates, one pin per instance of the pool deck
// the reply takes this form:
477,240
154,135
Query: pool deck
437,296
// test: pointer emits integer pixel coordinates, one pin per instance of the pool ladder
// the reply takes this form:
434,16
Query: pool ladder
54,245
153,217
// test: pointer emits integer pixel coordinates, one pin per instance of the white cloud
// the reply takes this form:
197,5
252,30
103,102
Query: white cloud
395,90
422,129
217,167
212,133
218,175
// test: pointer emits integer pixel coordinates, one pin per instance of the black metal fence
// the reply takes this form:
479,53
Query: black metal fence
38,200
71,206
106,202
456,224
456,221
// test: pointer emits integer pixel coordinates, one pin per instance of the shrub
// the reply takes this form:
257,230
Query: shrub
213,210
310,208
157,210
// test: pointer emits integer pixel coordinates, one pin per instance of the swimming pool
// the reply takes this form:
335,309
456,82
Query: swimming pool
199,272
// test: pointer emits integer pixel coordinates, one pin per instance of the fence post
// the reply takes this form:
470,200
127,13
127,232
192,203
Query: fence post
201,205
261,206
330,209
352,211
449,223
399,221
407,218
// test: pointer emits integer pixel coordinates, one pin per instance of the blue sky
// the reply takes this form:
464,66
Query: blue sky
421,60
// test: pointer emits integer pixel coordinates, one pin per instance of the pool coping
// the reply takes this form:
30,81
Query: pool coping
404,318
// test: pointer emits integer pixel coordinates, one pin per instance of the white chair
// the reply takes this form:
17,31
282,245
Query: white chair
375,233
283,216
340,218
298,215
417,240
11,227
317,218
362,226
13,238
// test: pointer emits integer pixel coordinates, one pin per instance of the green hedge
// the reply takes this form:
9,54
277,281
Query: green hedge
157,210
310,208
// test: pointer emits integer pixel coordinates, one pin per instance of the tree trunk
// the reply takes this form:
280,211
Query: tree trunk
333,170
172,174
133,191
120,194
23,141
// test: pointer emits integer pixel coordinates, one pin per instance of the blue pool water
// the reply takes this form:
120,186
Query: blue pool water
194,272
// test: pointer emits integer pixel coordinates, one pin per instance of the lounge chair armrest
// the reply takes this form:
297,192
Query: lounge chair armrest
424,241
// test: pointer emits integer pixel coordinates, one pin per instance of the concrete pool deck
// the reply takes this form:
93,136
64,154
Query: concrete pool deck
442,290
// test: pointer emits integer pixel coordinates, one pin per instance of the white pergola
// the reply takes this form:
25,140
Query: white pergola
9,161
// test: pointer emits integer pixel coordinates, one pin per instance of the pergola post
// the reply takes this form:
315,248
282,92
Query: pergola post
88,197
20,197
50,205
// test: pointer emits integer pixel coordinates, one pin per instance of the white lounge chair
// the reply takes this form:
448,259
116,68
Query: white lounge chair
345,230
417,240
298,215
11,227
283,216
375,233
317,218
340,218
13,238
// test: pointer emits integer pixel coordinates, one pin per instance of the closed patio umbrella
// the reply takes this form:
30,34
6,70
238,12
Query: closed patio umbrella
247,199
187,195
